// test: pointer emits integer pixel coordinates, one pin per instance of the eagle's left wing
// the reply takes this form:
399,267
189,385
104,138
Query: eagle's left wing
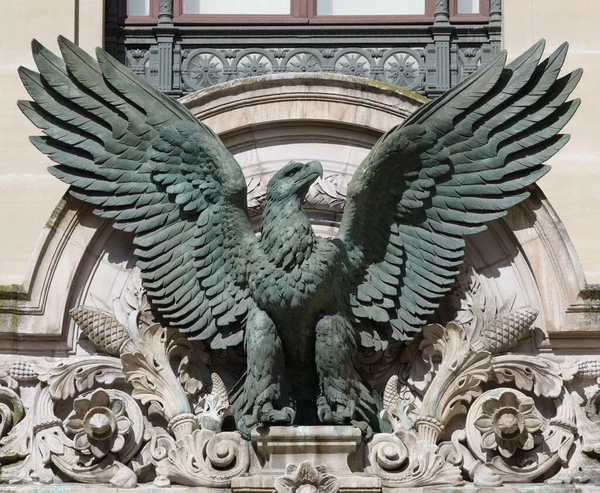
145,162
455,164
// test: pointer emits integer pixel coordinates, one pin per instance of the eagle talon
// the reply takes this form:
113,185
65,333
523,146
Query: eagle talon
323,410
267,415
284,416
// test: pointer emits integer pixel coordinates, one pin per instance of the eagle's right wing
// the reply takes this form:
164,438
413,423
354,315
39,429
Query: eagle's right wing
455,164
144,161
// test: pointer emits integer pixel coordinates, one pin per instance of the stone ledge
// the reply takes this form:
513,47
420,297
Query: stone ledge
344,487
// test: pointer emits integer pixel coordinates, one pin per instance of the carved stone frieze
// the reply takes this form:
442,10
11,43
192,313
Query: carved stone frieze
401,67
150,407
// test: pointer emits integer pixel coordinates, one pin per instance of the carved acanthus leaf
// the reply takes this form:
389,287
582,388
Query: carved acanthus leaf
68,378
531,373
149,371
34,439
458,377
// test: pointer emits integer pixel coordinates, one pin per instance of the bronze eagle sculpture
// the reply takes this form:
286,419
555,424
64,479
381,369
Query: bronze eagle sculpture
300,305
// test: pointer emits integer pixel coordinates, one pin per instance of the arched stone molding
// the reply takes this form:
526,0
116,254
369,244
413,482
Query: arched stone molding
267,121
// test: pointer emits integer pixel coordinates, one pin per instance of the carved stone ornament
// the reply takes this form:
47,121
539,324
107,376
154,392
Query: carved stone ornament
233,360
306,478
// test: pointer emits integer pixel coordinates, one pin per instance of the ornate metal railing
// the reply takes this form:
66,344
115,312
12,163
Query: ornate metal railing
425,58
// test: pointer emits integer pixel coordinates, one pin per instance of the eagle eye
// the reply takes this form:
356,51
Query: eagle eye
292,172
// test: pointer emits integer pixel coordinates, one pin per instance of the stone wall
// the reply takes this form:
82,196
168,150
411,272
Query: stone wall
28,194
572,186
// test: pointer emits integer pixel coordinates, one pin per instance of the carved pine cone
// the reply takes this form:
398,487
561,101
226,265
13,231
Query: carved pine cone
102,329
22,371
589,368
505,332
218,387
391,394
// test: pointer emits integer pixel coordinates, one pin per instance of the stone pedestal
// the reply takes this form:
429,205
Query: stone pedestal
297,455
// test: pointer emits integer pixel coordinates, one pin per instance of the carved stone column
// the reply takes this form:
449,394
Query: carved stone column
165,12
442,14
163,53
495,26
439,53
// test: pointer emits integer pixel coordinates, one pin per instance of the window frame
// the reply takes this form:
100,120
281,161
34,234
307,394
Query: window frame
303,12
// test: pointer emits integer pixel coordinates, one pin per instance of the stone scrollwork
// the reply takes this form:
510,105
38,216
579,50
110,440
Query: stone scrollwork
203,458
149,407
146,407
402,459
525,425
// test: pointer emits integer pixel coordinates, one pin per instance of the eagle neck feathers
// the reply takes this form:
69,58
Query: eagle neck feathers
287,237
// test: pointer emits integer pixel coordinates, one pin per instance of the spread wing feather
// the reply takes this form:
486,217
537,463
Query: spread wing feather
454,165
144,161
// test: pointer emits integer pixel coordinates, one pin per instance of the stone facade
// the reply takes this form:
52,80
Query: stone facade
498,391
502,389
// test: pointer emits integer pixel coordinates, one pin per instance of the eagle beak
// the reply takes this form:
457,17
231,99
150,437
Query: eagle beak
315,167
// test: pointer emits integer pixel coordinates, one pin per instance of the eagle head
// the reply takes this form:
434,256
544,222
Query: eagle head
294,179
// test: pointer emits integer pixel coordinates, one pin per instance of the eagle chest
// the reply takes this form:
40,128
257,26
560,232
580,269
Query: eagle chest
307,287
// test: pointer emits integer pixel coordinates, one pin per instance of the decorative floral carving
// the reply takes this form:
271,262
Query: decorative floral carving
508,423
307,478
303,62
353,63
530,373
205,67
253,64
68,378
527,444
402,69
34,439
205,70
148,369
99,424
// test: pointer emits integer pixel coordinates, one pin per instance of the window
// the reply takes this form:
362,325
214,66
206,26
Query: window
138,11
224,12
469,10
467,7
303,11
236,7
137,8
378,7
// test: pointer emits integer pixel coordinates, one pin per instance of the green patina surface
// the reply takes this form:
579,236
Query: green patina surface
302,306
